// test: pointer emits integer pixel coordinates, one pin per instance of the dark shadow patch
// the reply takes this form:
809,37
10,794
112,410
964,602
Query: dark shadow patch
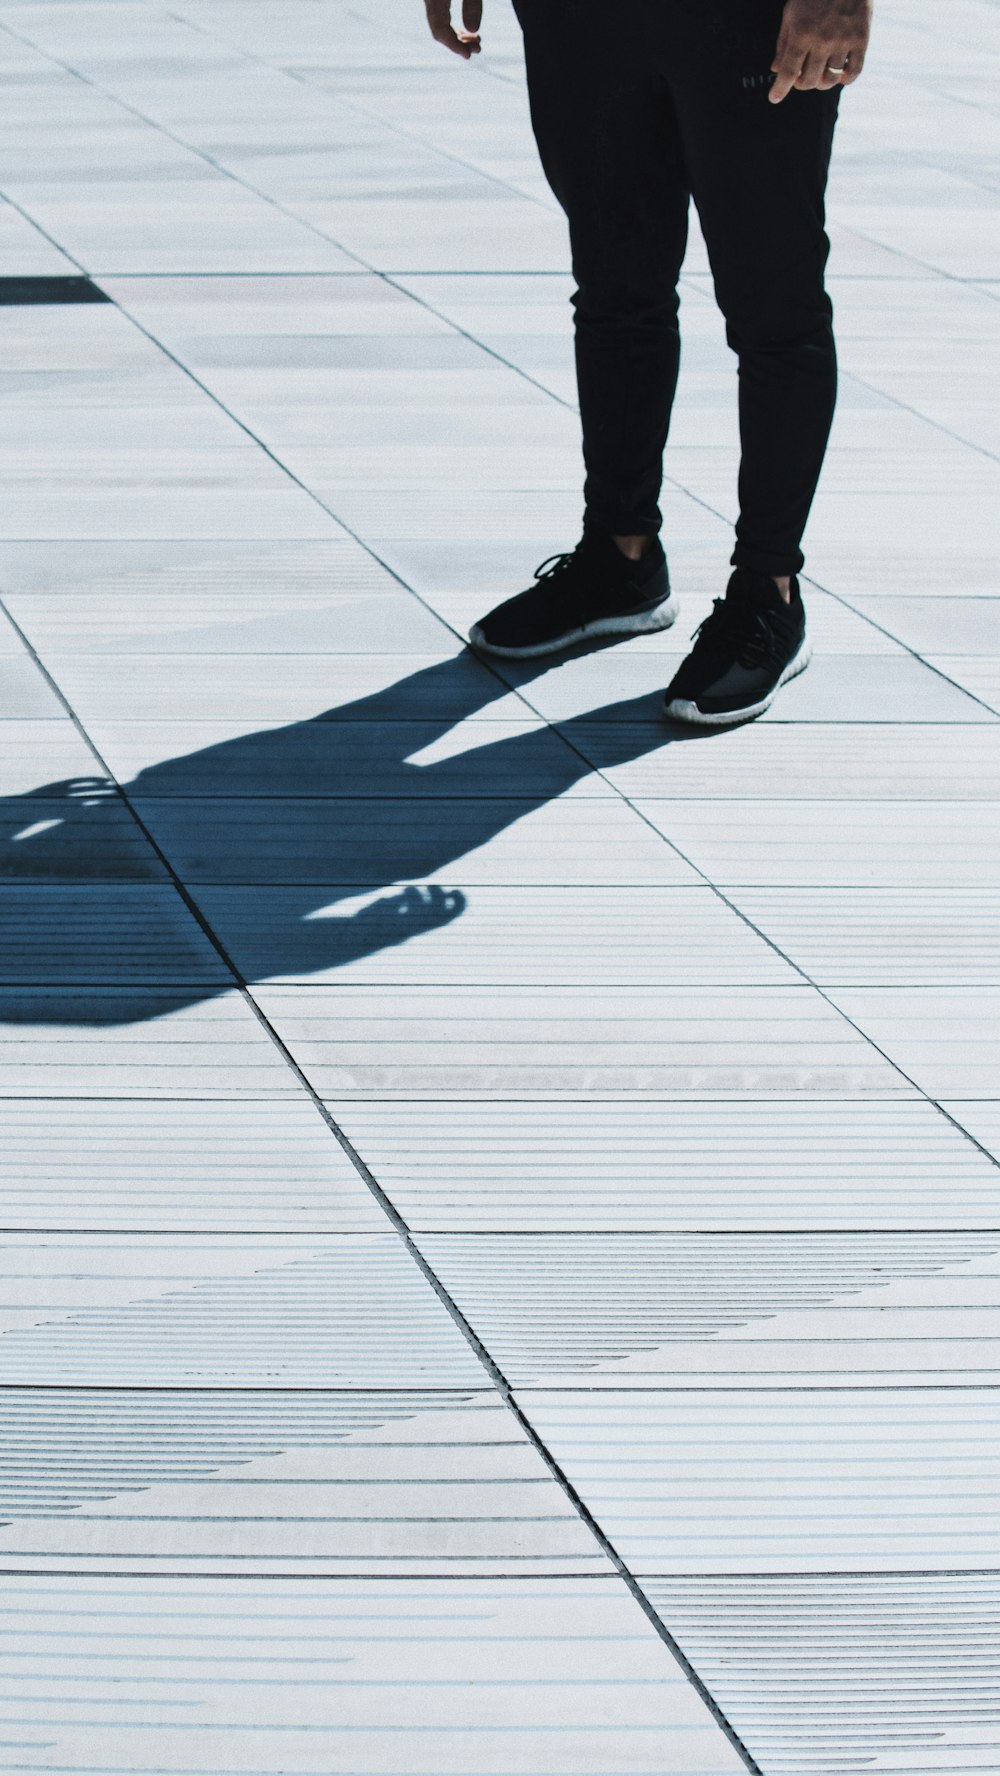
28,292
321,810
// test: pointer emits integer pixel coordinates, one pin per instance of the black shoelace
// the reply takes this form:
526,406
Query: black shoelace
555,574
553,570
739,630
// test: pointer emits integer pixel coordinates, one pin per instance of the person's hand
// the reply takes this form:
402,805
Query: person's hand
817,35
464,42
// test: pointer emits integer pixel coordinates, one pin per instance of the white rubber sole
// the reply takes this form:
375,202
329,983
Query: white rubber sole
683,710
639,623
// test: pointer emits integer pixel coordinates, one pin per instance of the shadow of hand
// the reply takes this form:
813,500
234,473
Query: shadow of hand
340,938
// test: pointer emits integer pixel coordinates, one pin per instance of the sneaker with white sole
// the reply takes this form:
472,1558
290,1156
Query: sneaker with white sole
751,644
593,590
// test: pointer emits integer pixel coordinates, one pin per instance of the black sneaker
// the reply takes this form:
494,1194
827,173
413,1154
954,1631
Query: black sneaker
746,649
594,590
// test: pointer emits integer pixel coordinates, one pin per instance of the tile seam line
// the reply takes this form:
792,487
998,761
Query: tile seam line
160,129
390,278
210,394
515,1233
477,70
800,970
932,273
224,172
697,1575
333,1578
482,70
905,407
725,1575
272,455
913,78
531,1389
185,369
914,653
492,1370
249,997
864,616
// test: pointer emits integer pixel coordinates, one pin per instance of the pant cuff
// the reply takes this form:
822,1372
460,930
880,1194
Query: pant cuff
767,561
620,525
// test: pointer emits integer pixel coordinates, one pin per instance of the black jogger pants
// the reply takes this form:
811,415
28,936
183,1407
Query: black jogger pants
636,109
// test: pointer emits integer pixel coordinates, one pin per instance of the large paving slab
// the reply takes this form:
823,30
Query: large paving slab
309,1675
499,1195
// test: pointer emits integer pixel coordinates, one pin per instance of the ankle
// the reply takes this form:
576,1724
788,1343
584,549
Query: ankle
634,547
784,585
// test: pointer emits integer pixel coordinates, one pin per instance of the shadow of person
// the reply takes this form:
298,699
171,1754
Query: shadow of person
319,811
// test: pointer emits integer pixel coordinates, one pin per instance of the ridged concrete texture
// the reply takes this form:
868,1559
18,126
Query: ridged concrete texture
502,1254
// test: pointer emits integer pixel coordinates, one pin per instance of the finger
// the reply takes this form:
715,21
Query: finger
854,67
786,67
472,16
813,69
788,57
836,59
462,46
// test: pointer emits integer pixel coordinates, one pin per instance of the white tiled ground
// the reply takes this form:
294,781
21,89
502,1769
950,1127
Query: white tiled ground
503,1247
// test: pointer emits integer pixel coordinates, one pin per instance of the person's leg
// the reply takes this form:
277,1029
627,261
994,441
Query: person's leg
758,175
609,145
